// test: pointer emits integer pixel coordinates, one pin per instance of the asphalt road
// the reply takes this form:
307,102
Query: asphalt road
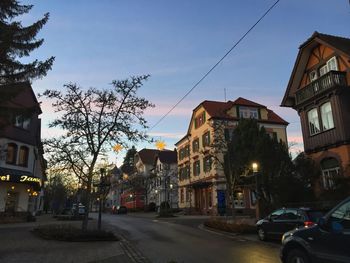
181,240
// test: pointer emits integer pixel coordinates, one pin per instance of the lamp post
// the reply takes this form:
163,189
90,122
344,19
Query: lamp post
171,196
255,167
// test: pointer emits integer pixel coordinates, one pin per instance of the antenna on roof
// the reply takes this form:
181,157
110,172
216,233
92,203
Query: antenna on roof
225,90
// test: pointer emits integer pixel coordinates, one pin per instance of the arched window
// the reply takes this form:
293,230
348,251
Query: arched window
11,155
330,170
23,156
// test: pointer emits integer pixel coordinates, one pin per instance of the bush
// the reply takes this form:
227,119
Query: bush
165,210
239,228
72,233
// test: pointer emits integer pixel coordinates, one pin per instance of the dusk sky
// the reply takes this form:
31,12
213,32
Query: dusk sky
177,42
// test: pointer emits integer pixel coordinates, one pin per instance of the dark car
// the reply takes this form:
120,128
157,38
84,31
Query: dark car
119,210
285,219
328,241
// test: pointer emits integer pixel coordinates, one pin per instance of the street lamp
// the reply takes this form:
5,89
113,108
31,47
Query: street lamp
255,167
171,195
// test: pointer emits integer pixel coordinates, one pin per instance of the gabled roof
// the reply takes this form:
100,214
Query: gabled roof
21,94
147,156
168,157
339,44
219,110
244,102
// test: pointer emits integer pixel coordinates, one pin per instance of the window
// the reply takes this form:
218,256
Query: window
313,75
23,156
330,65
239,199
188,195
196,168
11,156
290,214
206,139
314,124
330,171
184,152
207,163
199,120
195,145
342,216
246,113
327,117
276,214
22,122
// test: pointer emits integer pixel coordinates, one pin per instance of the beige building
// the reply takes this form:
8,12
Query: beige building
202,186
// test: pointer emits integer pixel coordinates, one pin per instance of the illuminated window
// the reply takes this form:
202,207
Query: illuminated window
23,156
11,155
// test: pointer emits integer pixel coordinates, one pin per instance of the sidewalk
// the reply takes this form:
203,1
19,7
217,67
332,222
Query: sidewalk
18,244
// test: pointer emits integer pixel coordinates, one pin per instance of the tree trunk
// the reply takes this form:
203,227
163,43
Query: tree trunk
87,204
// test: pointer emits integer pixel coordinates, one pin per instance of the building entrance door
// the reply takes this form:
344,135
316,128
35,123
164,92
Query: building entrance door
11,202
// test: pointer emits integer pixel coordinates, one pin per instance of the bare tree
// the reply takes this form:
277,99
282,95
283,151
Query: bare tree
94,120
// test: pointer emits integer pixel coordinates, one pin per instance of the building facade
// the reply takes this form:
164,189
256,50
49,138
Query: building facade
163,187
22,166
319,91
202,184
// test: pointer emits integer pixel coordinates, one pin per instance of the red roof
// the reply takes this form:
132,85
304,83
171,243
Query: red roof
218,109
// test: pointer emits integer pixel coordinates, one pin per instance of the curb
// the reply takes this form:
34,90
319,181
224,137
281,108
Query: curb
235,236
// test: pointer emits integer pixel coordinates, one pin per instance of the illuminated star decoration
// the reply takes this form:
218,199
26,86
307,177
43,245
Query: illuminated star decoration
117,148
160,145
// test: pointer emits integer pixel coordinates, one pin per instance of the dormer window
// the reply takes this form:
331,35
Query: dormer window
246,113
199,120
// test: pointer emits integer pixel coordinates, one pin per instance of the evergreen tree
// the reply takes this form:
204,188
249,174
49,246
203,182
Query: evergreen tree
128,166
16,42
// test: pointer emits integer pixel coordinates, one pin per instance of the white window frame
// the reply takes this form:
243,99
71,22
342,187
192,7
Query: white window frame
313,121
327,116
332,62
313,75
328,176
246,113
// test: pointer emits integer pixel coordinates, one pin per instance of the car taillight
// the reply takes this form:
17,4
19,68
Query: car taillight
308,223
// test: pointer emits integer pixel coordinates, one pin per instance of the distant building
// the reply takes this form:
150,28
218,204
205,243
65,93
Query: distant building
202,184
164,182
319,91
22,166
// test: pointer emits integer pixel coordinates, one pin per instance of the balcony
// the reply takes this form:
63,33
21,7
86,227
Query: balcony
324,83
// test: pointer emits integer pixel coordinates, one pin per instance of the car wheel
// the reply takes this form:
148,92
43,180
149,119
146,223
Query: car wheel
297,256
261,234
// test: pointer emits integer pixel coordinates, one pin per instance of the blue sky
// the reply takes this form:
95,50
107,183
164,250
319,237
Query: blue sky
176,42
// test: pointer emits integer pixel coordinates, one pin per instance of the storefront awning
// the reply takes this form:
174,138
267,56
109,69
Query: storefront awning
22,177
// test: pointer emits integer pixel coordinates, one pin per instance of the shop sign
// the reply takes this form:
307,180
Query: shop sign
20,179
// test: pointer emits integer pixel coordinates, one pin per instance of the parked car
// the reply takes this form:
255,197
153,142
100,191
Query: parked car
285,219
119,210
80,207
328,241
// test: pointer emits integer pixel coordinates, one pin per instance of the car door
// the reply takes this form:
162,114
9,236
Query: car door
274,224
291,219
332,243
